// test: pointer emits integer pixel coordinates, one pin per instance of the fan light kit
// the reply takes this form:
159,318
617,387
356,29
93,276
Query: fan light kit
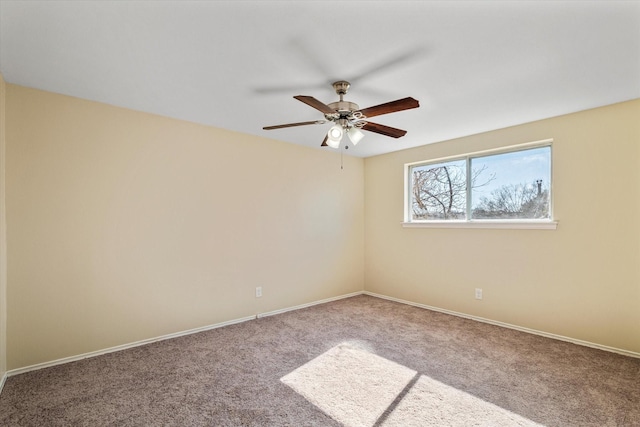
334,136
349,118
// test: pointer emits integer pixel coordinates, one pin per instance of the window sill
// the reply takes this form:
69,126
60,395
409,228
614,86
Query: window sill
494,224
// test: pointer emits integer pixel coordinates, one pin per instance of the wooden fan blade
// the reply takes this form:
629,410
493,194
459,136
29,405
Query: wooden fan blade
289,125
384,130
391,107
324,142
312,102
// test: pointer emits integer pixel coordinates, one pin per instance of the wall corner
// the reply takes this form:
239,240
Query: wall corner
3,237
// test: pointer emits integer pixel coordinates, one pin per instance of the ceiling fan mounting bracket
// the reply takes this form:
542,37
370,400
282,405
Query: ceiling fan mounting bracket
341,87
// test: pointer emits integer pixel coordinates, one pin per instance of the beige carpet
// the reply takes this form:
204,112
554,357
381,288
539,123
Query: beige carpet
360,389
360,361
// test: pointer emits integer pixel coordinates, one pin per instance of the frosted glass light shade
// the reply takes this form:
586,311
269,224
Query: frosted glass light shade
334,136
333,143
355,135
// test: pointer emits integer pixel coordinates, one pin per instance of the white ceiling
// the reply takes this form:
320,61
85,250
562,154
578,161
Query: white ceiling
473,65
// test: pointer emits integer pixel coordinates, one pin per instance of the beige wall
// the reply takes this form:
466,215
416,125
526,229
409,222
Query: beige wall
3,237
580,281
125,226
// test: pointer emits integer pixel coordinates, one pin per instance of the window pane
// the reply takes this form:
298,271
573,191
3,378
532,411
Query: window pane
439,191
512,185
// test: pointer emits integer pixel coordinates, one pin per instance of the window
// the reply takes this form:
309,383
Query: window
505,186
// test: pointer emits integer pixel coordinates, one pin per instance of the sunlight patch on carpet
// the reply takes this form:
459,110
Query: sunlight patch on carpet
432,403
350,385
360,389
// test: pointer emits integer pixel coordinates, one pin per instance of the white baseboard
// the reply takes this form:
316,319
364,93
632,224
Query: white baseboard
298,307
123,347
162,338
509,326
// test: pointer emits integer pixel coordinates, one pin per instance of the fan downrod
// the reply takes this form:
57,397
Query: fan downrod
343,109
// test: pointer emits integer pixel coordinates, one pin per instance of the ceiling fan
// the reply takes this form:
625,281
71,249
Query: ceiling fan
349,118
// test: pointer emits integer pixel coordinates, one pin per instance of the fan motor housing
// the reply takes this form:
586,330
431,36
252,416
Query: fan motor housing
344,108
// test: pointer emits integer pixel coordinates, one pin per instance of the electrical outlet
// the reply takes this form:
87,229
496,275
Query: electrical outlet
478,293
258,291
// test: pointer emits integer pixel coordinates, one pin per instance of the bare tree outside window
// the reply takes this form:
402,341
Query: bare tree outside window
440,191
509,185
515,201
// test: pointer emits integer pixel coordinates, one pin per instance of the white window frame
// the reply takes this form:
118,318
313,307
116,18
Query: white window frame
523,224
